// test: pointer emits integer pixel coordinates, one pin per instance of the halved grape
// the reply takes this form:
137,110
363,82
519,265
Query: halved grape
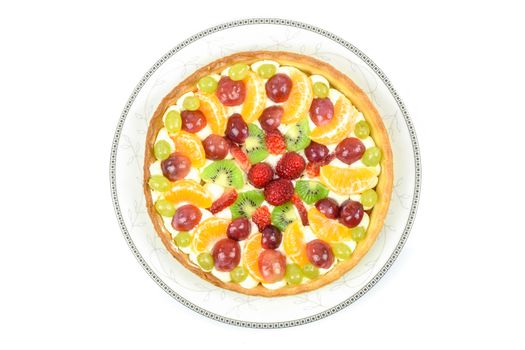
238,274
173,122
159,183
351,213
205,261
310,271
362,129
165,207
176,167
226,254
372,156
320,89
266,70
207,84
350,150
238,71
321,111
369,198
358,233
230,92
191,103
341,251
186,217
320,253
294,274
216,147
182,239
278,88
162,150
272,265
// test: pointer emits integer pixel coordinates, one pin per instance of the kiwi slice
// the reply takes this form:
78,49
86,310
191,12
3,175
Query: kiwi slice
255,146
246,204
283,215
225,173
297,136
310,191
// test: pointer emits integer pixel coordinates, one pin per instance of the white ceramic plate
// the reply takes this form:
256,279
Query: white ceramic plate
128,152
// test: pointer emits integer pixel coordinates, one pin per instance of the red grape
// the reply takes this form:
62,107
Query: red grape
321,111
226,254
239,229
193,121
328,207
350,150
270,118
272,265
236,128
176,166
186,217
278,87
230,92
320,253
351,213
315,152
215,147
271,237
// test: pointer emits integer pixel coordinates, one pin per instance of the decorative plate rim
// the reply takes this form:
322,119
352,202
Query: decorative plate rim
281,324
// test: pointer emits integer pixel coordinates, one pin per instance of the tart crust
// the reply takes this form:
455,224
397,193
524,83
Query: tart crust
338,80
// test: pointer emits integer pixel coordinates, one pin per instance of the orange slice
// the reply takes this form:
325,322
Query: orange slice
294,244
300,98
328,230
191,146
255,100
189,191
214,112
340,126
208,232
347,181
250,256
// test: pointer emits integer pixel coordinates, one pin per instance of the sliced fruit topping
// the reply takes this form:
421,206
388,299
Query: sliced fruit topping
238,71
290,166
362,129
271,237
214,112
238,274
255,145
372,156
207,84
299,206
246,204
205,261
225,173
191,146
321,111
240,157
328,207
351,213
279,87
275,142
270,118
327,229
297,135
261,217
189,191
230,92
320,89
255,100
215,147
310,191
162,149
182,239
226,254
297,105
278,191
358,233
250,256
159,183
176,167
283,215
369,198
339,127
320,253
173,122
315,152
193,121
350,150
294,274
260,175
347,181
310,271
341,251
208,232
236,128
294,244
272,265
224,201
266,70
191,103
165,208
313,168
239,229
186,217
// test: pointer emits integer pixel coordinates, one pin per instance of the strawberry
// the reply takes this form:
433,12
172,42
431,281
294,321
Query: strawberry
312,168
275,142
261,217
224,201
260,174
290,166
296,201
278,191
240,157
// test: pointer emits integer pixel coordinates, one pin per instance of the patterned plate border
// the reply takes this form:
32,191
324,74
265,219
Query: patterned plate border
297,322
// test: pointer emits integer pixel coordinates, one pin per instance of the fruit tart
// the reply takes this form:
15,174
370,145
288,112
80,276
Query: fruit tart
267,173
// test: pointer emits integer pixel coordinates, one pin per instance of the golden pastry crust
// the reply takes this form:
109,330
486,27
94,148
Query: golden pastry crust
339,81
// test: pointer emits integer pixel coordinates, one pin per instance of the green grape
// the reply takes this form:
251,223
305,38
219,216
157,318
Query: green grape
205,261
341,251
369,198
294,274
320,89
238,274
191,103
238,71
310,271
172,122
159,183
207,84
362,129
358,233
372,156
183,239
165,208
266,70
162,150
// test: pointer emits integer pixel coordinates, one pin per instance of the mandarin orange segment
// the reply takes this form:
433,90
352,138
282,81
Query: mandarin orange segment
250,256
189,191
191,146
347,181
214,112
301,96
340,126
255,100
328,230
294,243
208,232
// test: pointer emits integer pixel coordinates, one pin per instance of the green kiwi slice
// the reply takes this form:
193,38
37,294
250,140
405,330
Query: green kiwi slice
246,204
297,137
310,191
225,173
283,215
255,146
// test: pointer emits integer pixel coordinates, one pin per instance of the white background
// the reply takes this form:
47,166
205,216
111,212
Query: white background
68,279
